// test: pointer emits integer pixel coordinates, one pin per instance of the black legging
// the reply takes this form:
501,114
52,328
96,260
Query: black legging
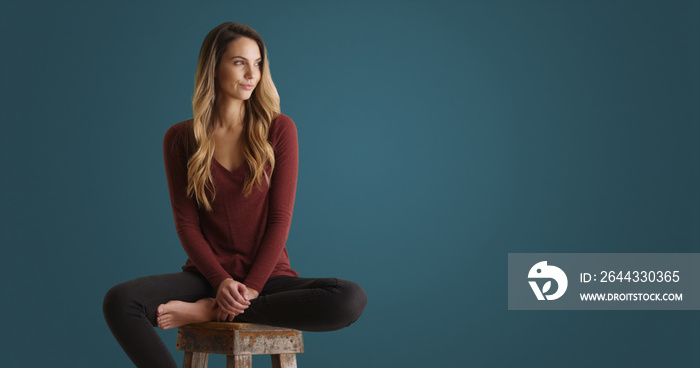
302,303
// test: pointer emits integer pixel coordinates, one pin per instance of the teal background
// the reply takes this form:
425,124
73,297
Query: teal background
435,138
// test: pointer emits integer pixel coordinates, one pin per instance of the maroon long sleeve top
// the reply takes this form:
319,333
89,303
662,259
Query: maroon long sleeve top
242,237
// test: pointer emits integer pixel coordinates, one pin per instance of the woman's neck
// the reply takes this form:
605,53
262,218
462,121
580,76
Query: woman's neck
229,113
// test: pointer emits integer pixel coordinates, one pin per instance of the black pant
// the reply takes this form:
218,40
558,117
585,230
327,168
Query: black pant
302,303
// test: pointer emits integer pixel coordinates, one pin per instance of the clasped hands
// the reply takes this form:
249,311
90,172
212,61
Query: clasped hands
232,299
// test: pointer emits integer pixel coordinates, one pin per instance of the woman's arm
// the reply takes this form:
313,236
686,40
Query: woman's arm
232,297
175,155
281,202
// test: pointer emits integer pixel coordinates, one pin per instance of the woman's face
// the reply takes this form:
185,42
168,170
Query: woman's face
238,72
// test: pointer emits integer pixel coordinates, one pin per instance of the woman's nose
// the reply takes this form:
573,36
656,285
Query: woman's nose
250,73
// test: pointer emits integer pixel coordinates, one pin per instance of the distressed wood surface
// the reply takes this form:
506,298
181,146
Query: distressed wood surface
239,361
284,361
267,342
196,360
239,339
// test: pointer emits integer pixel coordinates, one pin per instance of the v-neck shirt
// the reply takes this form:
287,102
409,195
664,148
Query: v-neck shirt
243,237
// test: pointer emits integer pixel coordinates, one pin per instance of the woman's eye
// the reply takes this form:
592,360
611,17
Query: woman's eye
237,62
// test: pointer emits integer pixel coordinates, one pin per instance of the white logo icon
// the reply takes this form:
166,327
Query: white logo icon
542,271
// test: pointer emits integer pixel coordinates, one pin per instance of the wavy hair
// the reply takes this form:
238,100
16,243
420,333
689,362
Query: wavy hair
260,110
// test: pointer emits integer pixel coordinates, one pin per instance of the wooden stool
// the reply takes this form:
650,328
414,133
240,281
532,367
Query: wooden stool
239,341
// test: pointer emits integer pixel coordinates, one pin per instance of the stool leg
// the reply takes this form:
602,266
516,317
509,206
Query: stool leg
196,360
239,361
284,360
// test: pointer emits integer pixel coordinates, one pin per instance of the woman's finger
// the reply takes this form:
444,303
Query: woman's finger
224,296
224,317
237,306
237,291
232,310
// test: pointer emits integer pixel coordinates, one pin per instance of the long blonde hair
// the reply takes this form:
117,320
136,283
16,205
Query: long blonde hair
260,110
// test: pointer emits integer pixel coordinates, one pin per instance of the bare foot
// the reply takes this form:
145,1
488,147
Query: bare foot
176,313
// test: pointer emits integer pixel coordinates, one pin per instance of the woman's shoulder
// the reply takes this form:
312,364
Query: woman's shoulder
179,128
282,125
178,135
283,121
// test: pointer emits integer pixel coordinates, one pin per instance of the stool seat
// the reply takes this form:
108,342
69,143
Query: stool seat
239,341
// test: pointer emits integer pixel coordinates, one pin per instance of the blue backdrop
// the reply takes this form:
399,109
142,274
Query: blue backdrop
435,138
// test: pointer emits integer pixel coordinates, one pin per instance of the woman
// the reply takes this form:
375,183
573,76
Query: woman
232,172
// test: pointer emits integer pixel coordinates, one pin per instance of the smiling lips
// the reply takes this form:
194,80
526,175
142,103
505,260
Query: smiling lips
248,86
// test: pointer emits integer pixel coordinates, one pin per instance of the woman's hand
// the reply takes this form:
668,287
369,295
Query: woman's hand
223,316
232,298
